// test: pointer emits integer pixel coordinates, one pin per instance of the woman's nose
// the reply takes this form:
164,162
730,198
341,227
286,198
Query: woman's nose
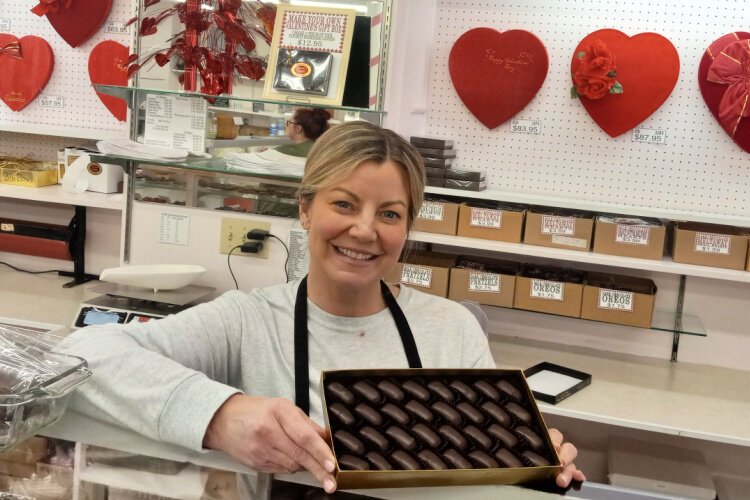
364,228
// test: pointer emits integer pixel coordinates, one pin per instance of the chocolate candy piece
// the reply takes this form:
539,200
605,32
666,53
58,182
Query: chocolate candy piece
340,412
465,391
518,412
366,391
405,461
456,459
483,460
391,390
471,412
419,410
452,435
374,437
431,460
447,413
369,414
486,388
479,436
379,461
352,463
441,390
535,459
530,437
349,441
416,390
508,459
396,413
427,435
341,393
502,434
401,437
497,413
509,390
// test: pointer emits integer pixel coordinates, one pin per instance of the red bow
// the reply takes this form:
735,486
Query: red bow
732,67
13,49
53,6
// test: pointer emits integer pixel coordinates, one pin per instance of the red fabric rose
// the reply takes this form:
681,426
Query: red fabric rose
593,86
595,72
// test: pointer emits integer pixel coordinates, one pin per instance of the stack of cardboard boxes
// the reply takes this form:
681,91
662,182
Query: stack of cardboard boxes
438,155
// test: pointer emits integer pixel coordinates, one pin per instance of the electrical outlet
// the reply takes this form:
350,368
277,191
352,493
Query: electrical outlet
234,232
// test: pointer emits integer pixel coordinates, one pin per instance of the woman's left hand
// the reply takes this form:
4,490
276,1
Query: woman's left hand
567,453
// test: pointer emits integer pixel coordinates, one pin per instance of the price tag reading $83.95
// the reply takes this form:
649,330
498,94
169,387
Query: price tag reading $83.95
649,135
526,126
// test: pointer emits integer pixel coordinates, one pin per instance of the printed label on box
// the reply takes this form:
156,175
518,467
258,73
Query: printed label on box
484,282
632,235
416,275
568,241
485,217
713,243
431,211
554,224
547,290
615,300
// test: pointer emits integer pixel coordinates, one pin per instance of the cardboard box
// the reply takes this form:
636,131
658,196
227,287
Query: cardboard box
501,224
709,245
631,303
27,452
105,178
627,237
494,285
570,230
36,175
552,296
437,217
427,272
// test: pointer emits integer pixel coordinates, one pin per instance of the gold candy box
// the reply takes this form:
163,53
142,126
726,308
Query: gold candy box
27,173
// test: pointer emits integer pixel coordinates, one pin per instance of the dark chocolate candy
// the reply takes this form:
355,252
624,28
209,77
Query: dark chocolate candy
431,460
352,463
494,411
368,413
483,460
379,461
457,460
374,437
470,412
530,437
479,436
420,410
535,459
416,390
503,435
405,461
366,391
391,390
401,437
456,438
507,458
341,393
349,441
465,391
518,412
447,413
509,390
395,413
487,390
340,412
427,435
441,390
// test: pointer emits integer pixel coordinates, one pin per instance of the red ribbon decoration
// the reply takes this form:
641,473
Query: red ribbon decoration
732,67
53,6
13,49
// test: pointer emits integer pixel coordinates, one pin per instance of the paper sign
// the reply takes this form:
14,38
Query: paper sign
485,217
174,229
416,275
299,254
719,244
555,224
176,122
484,282
615,300
547,290
632,235
319,31
431,211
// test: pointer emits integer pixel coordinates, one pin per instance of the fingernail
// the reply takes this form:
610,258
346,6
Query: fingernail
329,466
329,486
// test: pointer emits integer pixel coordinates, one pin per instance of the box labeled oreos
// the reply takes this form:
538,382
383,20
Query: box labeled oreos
625,300
485,281
548,289
559,228
428,272
709,245
437,216
491,221
641,238
435,427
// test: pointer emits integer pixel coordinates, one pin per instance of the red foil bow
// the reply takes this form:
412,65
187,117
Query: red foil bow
13,49
732,67
51,6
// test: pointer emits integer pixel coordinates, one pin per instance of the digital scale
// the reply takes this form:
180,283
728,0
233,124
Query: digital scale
124,303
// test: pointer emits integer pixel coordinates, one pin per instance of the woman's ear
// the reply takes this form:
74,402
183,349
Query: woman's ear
304,215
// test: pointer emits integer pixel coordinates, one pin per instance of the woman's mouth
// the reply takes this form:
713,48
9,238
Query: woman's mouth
354,255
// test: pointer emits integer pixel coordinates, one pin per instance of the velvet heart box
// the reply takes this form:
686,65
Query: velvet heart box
435,427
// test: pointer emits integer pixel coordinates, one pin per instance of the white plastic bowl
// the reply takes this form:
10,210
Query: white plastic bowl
156,276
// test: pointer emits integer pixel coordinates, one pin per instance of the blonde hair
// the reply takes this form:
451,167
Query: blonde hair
344,147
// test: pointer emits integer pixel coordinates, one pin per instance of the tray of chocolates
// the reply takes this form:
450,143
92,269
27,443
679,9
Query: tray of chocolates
433,427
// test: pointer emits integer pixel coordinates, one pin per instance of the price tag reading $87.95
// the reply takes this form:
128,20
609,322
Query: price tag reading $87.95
650,135
4,25
526,126
52,101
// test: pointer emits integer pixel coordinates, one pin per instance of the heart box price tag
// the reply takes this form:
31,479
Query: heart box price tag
649,135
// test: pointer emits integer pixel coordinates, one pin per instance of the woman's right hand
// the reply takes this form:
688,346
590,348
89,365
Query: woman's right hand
271,435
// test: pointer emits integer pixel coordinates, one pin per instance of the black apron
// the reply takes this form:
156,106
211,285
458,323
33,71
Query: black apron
301,361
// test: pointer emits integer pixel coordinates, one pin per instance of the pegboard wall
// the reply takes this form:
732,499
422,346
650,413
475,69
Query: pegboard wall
82,113
699,169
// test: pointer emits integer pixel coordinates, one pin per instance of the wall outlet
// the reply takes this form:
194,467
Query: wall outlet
234,232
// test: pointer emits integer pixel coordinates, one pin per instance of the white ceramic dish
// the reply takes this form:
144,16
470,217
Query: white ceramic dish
156,276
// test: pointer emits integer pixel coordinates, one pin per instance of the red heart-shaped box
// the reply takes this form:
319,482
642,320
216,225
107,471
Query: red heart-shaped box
108,65
713,92
24,78
80,21
647,67
496,74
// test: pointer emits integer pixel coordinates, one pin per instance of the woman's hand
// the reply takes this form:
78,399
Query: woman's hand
271,435
567,453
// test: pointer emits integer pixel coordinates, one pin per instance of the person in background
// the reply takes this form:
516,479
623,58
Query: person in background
304,128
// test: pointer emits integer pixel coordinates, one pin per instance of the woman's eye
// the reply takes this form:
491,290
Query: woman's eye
390,214
342,204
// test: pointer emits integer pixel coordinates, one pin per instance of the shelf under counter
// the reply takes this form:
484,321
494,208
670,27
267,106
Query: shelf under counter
56,194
